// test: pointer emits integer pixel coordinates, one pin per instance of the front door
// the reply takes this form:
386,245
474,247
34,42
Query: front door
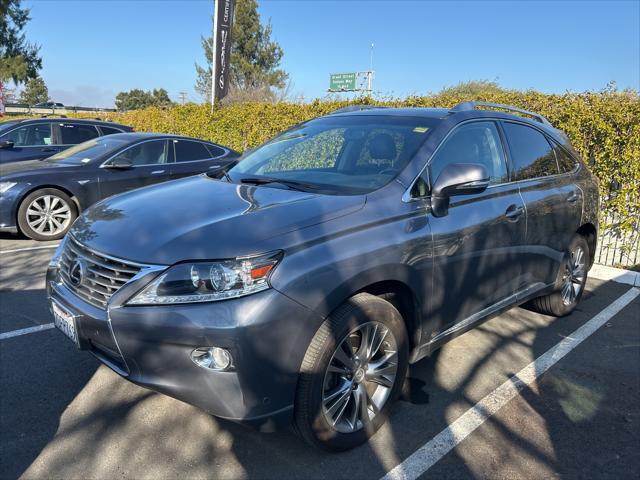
476,243
150,162
30,142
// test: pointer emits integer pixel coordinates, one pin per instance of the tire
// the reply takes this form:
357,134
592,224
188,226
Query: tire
376,382
53,225
569,289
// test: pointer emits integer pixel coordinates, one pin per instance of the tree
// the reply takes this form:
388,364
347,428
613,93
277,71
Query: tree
253,68
136,99
35,91
19,59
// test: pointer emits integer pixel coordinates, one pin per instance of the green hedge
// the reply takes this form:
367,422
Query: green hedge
604,127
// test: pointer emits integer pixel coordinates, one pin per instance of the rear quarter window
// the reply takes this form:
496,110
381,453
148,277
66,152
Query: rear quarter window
73,134
531,152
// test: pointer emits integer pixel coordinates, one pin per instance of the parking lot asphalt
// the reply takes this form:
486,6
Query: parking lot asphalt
64,415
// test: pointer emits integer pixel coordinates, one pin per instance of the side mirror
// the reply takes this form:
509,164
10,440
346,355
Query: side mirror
457,179
6,144
119,164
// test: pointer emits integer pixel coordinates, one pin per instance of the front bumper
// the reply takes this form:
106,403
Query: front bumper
267,334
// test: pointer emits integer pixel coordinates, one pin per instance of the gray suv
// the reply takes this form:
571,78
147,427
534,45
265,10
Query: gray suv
297,286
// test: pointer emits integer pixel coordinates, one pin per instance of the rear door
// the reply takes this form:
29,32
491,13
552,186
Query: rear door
193,157
30,142
150,163
553,202
477,243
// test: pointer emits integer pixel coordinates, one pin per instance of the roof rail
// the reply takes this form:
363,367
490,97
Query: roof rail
355,108
466,106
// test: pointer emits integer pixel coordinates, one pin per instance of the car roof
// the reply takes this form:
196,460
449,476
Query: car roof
461,114
135,136
86,121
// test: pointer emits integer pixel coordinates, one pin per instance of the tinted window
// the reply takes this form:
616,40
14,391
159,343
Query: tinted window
109,130
146,153
30,135
187,151
566,163
530,151
215,151
477,142
72,134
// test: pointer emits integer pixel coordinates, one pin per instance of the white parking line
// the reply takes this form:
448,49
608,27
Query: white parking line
25,331
28,249
426,456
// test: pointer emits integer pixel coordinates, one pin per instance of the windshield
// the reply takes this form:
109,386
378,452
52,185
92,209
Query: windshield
89,150
341,154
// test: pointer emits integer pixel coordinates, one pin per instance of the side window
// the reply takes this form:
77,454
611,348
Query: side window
146,153
530,151
215,151
109,130
72,134
187,151
477,142
30,136
566,163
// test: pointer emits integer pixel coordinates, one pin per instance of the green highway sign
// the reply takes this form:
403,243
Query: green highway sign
342,81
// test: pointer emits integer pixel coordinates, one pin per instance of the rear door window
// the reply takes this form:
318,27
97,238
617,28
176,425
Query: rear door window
531,153
30,135
566,163
187,151
72,134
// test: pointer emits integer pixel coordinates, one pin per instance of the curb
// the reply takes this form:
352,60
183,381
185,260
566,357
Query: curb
602,272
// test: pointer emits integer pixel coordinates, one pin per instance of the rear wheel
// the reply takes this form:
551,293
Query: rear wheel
46,214
570,282
352,372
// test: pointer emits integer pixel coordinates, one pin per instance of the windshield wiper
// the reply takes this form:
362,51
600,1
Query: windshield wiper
294,184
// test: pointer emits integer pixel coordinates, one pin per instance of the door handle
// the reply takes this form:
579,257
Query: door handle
573,198
157,172
47,150
514,212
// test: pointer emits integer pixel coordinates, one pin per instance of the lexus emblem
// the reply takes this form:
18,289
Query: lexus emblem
77,272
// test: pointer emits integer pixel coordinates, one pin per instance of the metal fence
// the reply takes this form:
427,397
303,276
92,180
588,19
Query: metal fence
617,250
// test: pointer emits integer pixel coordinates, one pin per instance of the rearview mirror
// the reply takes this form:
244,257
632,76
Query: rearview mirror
6,144
457,179
119,164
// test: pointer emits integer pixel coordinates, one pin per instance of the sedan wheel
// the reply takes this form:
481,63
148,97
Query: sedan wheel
46,214
575,271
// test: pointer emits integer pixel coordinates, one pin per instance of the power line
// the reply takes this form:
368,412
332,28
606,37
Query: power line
183,97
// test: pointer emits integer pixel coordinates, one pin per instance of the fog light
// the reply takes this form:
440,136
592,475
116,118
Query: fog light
213,358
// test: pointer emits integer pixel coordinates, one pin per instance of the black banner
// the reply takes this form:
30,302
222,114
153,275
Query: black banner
222,46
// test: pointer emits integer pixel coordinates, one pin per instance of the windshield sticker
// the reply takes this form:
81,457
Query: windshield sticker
420,129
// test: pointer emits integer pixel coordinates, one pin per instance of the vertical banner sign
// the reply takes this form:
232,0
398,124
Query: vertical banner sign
223,19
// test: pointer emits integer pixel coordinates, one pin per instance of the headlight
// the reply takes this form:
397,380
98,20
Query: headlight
209,281
4,186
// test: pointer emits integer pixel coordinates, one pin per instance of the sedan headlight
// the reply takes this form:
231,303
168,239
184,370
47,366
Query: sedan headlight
4,186
193,282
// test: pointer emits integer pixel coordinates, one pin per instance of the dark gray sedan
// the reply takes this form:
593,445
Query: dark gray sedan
42,198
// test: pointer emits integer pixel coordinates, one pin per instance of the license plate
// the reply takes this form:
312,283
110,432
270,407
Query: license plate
65,322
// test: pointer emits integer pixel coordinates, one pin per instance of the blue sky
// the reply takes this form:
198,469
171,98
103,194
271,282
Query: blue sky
93,49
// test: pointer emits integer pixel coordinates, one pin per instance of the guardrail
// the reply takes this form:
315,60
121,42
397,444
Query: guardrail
24,109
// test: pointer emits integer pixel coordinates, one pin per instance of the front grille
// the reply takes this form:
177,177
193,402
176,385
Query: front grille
102,275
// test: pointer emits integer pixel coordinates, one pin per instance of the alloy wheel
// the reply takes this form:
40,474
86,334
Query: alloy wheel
360,376
573,279
48,215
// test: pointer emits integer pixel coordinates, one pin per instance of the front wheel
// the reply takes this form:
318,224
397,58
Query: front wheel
352,372
570,283
46,214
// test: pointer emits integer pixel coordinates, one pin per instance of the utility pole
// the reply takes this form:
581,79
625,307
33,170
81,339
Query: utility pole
183,96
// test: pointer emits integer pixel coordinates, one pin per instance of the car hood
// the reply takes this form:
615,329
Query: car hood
202,218
17,170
